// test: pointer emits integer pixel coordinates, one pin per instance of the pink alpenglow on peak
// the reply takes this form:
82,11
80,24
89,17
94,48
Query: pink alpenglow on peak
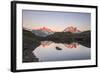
72,29
45,29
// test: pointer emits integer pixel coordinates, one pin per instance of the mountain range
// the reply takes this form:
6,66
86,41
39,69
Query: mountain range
44,31
72,29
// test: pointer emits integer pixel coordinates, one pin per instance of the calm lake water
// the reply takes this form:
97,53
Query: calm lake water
48,51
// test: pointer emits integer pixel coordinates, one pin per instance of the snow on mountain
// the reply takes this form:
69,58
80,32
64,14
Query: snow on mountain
43,32
72,29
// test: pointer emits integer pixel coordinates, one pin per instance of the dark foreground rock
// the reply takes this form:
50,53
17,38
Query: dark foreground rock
28,56
29,45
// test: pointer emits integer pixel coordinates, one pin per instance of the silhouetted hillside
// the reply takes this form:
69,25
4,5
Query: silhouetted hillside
30,42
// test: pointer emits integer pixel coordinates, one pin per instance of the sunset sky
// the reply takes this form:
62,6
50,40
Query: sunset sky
56,21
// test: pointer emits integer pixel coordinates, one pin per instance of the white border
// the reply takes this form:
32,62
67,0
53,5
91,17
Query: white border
21,65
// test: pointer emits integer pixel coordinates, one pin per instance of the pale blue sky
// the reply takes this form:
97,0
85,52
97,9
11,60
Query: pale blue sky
56,21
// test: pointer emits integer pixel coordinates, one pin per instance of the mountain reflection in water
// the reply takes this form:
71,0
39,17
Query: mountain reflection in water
71,45
48,51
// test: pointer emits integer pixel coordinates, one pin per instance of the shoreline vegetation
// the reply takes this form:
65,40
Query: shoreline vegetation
32,41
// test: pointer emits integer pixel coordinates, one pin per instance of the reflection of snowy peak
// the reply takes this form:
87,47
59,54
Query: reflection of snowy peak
43,32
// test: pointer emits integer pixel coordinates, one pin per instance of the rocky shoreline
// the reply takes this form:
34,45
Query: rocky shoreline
28,46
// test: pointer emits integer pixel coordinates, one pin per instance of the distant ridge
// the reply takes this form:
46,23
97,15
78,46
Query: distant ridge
27,29
45,29
72,29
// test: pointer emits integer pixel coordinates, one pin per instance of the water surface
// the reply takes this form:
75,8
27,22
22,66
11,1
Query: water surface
50,51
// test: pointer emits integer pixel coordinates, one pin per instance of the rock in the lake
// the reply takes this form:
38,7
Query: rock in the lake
58,48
